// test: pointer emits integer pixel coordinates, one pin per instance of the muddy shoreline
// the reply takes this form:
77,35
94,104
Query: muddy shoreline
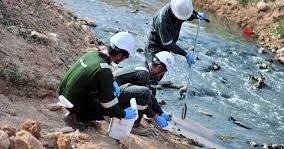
264,21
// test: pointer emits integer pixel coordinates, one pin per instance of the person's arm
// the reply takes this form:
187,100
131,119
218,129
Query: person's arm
164,30
106,95
155,105
193,16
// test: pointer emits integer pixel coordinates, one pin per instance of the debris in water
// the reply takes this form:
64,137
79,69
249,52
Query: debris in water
184,110
253,144
257,81
162,102
238,123
135,11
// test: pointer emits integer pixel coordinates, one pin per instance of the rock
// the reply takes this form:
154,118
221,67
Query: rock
50,140
13,30
257,81
85,28
4,140
262,6
262,50
276,146
215,66
64,142
33,127
53,107
24,32
39,37
91,23
67,129
25,140
280,55
279,3
205,113
264,146
140,50
9,130
135,11
267,66
253,144
162,102
52,37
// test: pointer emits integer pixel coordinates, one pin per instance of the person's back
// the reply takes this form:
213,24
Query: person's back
76,81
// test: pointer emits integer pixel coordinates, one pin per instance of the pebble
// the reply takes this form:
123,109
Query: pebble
53,107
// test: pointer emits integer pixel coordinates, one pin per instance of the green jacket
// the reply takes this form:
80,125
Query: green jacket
91,77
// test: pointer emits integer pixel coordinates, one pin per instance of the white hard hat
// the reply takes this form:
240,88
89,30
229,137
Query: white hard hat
182,9
124,41
167,58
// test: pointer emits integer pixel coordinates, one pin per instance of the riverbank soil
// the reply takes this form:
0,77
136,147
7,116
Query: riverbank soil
265,18
38,41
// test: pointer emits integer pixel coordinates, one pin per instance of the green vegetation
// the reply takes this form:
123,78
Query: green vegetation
280,29
244,2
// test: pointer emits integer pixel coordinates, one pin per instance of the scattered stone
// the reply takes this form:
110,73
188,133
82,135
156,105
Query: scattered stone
4,140
257,81
280,55
135,11
91,23
162,102
52,37
275,146
39,37
24,32
9,130
264,146
215,66
25,140
205,113
85,28
267,66
33,127
262,50
67,129
53,107
252,144
13,30
238,123
262,6
50,140
140,50
64,142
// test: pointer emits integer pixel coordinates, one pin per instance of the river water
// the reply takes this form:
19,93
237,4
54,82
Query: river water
223,93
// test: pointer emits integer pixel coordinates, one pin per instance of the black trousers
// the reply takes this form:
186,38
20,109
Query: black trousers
142,95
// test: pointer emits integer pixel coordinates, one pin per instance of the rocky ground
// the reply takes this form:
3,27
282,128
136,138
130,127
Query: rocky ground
38,41
265,18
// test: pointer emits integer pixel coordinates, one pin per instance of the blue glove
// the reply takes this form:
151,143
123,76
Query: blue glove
116,89
130,113
166,116
202,16
190,58
161,121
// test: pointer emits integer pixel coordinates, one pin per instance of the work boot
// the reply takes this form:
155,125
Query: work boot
70,120
139,130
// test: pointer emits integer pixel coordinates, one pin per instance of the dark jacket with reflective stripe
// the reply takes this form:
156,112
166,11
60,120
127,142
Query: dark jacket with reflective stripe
91,77
165,32
139,75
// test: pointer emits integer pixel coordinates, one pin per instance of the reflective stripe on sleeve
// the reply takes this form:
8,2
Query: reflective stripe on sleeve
82,63
139,107
168,43
104,65
141,68
110,104
153,86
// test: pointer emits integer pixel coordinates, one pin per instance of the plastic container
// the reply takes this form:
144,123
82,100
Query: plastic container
121,128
